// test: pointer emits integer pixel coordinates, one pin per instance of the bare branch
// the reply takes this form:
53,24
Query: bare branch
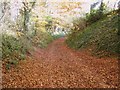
4,10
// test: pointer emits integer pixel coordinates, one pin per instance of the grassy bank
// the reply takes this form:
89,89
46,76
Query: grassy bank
101,36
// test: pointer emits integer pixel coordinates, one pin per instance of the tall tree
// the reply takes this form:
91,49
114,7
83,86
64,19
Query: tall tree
93,6
119,18
119,28
101,8
28,6
3,9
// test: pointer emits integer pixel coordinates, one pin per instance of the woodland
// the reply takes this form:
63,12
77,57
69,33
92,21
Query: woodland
59,43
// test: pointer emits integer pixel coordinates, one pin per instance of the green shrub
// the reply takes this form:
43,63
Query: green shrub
96,15
93,16
79,24
42,39
14,49
102,35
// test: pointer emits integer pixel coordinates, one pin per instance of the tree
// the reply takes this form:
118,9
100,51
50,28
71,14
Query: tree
101,9
3,10
26,13
119,18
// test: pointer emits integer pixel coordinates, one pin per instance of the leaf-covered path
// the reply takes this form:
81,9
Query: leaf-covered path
59,66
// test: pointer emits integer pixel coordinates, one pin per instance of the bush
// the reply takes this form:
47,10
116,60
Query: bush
42,39
102,36
78,24
96,15
93,17
14,49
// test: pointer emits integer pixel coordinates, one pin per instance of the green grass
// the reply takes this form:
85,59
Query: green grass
102,35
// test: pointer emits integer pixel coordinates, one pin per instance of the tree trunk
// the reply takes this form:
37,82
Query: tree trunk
26,20
27,15
101,8
119,18
119,29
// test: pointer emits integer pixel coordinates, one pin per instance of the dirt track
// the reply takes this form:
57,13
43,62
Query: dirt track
59,66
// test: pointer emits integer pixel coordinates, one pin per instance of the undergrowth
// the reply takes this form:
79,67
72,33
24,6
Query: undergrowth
101,35
42,39
15,49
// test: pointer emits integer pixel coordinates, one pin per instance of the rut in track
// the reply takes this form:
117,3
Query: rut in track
59,66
